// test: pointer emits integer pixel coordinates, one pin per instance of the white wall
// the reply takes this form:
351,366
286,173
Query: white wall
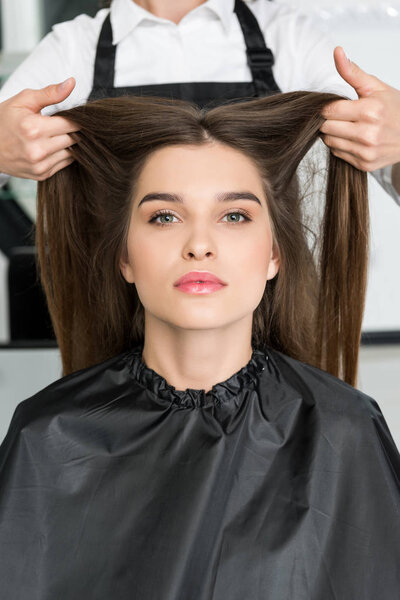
21,24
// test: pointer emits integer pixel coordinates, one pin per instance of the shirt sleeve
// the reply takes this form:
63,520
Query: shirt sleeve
384,177
68,50
46,64
309,51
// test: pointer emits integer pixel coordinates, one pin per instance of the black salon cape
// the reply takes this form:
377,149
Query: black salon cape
281,483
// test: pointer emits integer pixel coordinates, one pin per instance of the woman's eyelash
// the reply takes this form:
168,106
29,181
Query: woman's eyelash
167,212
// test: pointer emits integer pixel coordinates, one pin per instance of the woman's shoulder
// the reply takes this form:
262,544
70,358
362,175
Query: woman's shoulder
342,411
326,390
78,391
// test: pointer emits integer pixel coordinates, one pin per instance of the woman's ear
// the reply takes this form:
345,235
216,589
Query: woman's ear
274,261
126,267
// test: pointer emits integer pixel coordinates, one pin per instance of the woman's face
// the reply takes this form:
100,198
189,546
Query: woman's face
199,234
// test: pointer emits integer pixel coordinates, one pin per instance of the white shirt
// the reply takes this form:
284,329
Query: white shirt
206,45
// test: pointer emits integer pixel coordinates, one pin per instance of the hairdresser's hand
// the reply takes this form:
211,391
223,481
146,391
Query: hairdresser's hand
31,145
364,132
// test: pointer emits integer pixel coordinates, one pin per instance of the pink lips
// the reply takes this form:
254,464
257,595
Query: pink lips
199,282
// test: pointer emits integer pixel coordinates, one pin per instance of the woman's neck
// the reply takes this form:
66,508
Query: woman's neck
173,10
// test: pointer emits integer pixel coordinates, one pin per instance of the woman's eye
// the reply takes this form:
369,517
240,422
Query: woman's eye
163,214
240,213
170,216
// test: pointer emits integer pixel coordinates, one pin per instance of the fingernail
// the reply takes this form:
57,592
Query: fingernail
63,84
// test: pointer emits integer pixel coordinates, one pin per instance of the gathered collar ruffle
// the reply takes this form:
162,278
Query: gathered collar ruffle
220,393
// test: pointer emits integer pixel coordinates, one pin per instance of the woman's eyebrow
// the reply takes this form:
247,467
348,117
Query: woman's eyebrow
221,197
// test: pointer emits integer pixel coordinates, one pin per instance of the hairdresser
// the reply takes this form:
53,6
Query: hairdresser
205,51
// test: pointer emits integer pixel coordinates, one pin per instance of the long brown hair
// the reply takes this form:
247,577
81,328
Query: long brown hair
312,310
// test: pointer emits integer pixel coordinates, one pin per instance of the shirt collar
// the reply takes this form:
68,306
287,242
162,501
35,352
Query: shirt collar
125,15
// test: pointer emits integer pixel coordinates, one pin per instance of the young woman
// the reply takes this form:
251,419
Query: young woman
206,440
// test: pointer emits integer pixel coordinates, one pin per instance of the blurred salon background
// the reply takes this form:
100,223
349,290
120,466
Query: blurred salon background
369,31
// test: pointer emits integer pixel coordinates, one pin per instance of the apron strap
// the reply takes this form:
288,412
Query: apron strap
259,57
105,57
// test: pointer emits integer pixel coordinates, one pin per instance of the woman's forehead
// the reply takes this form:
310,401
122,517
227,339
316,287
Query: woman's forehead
209,169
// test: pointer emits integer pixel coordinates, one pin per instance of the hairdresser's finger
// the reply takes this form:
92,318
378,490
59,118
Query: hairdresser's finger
57,167
366,153
43,167
368,110
337,143
364,83
360,158
45,174
60,165
343,129
52,145
36,100
339,110
348,157
34,127
361,133
57,125
47,150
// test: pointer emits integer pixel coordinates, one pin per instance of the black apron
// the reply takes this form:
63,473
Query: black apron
203,93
